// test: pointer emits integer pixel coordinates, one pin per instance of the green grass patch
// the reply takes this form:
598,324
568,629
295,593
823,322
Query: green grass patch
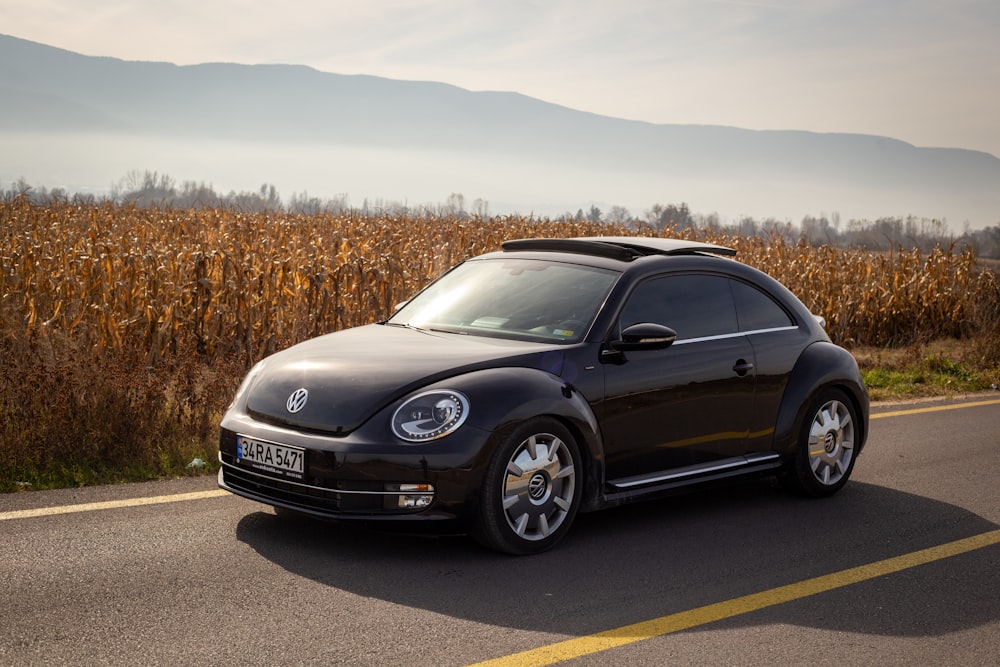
180,462
941,368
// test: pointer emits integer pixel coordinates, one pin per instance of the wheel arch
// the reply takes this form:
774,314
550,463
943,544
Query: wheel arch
512,396
822,366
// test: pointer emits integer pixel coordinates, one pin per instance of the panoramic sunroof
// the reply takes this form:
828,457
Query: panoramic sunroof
624,248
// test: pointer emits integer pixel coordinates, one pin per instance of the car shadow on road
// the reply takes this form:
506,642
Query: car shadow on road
652,559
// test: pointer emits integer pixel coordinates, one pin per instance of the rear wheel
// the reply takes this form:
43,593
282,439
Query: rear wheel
826,452
531,491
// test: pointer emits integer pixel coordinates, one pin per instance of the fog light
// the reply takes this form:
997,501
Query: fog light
411,496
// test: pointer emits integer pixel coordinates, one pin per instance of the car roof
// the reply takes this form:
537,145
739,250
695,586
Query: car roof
623,248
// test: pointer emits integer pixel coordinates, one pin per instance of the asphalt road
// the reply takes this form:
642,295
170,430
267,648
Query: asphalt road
219,580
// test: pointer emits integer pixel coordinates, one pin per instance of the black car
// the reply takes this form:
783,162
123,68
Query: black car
552,377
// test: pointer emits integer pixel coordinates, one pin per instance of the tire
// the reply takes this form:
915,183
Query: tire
532,488
826,451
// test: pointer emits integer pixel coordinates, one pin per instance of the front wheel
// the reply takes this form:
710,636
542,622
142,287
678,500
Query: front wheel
826,451
532,488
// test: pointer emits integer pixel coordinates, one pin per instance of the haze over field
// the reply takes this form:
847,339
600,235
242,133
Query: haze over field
856,108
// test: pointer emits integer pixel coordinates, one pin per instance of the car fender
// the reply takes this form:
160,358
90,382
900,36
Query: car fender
822,365
502,398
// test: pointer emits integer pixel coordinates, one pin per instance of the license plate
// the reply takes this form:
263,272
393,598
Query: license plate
271,457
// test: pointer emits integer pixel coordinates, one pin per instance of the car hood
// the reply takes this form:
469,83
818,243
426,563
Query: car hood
352,374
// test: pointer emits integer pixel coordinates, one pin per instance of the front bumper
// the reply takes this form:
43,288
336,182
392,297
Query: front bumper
356,478
326,500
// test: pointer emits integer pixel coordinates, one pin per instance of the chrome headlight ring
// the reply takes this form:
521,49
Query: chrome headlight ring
430,415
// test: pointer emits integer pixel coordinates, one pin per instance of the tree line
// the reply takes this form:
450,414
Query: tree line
881,234
153,189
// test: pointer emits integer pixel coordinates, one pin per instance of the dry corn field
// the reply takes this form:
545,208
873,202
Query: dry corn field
123,331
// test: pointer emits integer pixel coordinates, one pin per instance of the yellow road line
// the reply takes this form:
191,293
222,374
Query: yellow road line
934,408
602,641
111,504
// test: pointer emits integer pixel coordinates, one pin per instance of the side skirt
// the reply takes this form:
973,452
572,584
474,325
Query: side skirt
627,489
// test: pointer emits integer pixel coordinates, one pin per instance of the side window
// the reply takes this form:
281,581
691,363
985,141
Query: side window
692,305
757,310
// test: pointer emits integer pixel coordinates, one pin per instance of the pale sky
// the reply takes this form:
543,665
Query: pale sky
923,71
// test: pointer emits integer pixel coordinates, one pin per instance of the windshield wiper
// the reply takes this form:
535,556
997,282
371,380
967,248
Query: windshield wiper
407,325
425,330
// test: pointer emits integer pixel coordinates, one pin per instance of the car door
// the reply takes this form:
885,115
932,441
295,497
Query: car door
690,403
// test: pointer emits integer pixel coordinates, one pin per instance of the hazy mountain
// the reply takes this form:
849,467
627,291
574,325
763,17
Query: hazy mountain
66,118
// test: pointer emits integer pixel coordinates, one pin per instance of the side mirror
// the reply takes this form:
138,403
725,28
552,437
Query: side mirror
645,336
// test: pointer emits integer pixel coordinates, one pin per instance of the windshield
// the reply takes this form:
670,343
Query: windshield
511,298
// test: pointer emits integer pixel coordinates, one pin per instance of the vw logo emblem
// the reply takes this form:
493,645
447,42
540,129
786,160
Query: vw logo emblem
297,400
537,486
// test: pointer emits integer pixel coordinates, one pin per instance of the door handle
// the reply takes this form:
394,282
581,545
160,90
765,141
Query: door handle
742,367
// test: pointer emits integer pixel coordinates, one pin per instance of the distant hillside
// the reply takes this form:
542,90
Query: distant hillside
48,91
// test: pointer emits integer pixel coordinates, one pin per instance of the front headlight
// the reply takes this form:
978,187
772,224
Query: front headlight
430,415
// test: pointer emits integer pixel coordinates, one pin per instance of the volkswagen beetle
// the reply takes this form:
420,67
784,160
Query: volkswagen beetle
552,377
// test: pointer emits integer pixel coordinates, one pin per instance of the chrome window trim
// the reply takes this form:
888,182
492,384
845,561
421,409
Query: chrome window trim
702,339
